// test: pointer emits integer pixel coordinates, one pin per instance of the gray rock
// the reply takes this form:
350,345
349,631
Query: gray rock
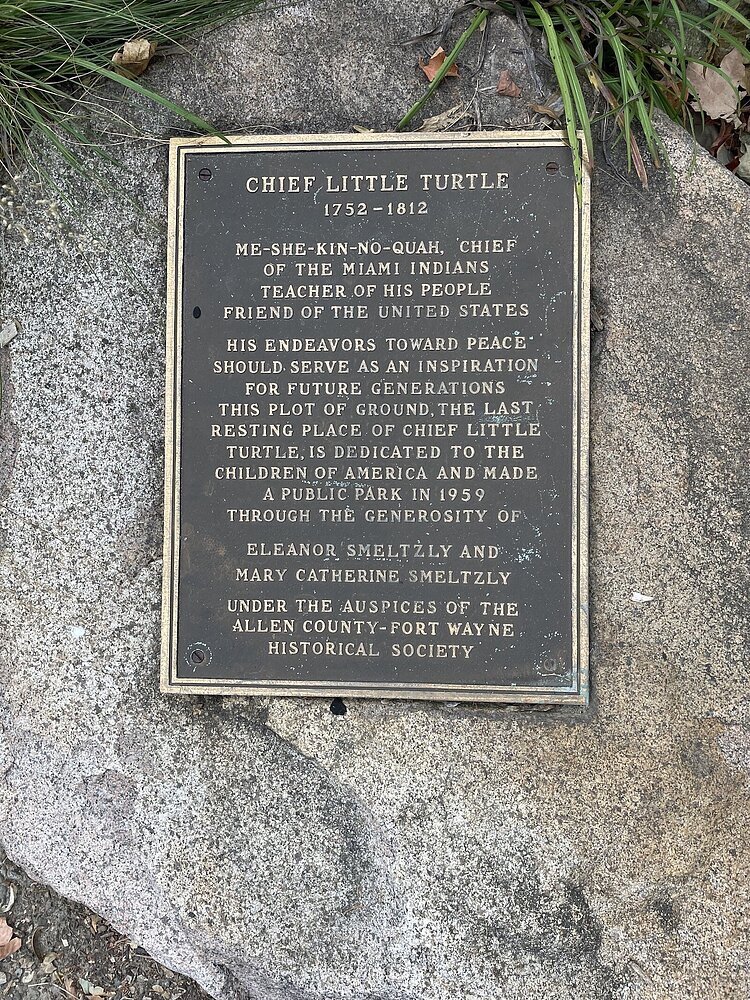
403,851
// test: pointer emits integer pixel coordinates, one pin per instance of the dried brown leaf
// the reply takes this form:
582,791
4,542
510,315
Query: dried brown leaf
70,988
734,66
133,58
446,119
507,86
640,166
430,69
724,134
716,96
542,109
8,949
6,931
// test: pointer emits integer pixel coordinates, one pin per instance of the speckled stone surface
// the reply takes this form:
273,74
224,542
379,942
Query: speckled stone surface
403,851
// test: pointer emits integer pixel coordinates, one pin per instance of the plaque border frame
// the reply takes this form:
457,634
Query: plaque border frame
577,694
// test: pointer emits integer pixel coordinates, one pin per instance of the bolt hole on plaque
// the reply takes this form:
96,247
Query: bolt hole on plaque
376,461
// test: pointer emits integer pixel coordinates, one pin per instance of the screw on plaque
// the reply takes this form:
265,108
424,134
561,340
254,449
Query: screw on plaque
553,666
205,174
198,654
552,167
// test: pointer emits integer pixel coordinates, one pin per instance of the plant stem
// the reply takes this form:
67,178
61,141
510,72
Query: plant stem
479,18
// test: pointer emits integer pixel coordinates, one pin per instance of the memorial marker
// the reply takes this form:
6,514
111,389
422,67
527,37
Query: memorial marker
377,418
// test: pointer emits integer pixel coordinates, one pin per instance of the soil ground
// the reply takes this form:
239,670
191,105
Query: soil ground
68,951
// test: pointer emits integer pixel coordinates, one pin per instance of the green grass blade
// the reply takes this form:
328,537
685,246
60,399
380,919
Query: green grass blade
622,87
138,88
733,13
681,48
582,113
450,59
568,100
572,41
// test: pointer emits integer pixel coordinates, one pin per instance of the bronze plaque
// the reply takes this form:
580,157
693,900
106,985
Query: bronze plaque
377,418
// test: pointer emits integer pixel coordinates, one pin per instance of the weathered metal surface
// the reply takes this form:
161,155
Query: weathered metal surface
377,399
